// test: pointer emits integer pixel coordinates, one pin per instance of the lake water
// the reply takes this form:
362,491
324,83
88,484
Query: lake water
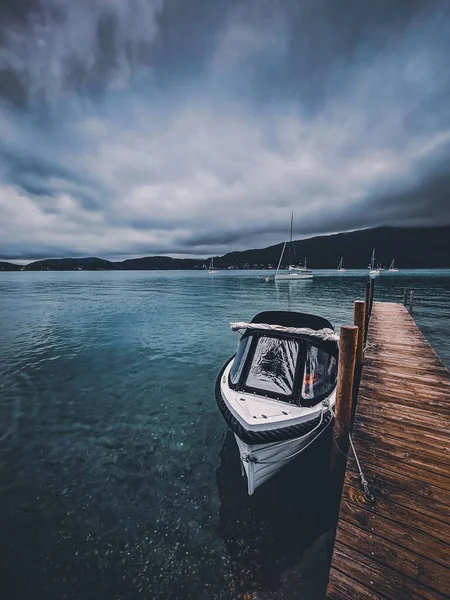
116,477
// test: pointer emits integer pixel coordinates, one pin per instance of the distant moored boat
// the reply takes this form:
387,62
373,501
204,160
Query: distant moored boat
212,269
341,265
374,271
392,268
294,271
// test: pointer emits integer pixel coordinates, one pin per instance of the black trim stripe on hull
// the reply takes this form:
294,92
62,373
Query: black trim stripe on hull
280,434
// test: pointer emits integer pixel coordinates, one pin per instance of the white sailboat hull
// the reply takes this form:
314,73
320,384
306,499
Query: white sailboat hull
293,276
271,457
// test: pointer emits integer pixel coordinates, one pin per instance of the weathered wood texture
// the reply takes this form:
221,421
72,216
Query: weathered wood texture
348,342
399,546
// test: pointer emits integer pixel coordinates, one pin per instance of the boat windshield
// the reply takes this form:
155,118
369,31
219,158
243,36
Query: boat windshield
273,365
319,375
240,358
292,370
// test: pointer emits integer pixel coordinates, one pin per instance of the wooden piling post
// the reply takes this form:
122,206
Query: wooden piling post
359,320
411,302
405,297
348,342
372,292
366,325
367,294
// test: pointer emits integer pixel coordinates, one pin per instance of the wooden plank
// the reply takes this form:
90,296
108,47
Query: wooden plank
431,518
433,529
432,440
406,450
433,401
382,368
343,586
390,555
399,545
394,363
385,375
416,417
410,373
395,531
387,461
386,581
422,491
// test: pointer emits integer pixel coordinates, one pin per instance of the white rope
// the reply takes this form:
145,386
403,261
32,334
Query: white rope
367,494
367,346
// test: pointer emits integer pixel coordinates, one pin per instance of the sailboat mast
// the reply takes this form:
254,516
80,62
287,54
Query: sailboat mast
290,239
282,252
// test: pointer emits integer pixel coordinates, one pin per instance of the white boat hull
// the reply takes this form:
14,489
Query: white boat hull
293,276
270,432
271,457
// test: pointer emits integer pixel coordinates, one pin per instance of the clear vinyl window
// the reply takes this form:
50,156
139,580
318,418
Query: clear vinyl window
320,372
240,358
273,365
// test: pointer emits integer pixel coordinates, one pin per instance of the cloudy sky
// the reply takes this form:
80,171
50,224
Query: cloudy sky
194,127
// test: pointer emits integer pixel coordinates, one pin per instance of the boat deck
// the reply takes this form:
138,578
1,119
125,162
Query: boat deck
398,546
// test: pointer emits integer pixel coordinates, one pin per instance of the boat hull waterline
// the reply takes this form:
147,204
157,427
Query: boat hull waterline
263,461
293,276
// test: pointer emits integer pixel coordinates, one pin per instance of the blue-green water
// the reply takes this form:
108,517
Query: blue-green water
115,477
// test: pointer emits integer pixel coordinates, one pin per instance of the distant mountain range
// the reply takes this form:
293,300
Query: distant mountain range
419,247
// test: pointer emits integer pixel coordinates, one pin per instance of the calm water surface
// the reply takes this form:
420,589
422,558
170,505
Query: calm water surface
116,477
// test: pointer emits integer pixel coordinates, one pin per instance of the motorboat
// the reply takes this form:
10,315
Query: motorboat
294,272
278,391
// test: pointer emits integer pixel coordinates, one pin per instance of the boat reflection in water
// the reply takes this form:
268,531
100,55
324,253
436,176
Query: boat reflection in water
280,539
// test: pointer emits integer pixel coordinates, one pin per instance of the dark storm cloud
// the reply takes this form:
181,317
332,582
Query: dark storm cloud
179,45
426,195
36,175
163,126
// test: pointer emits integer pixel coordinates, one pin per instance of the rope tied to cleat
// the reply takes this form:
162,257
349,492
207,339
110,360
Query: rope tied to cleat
365,484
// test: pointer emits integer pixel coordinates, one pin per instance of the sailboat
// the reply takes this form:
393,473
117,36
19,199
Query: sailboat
294,271
212,269
374,271
341,265
393,269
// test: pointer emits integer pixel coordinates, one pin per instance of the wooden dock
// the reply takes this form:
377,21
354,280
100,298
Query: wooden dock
398,546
